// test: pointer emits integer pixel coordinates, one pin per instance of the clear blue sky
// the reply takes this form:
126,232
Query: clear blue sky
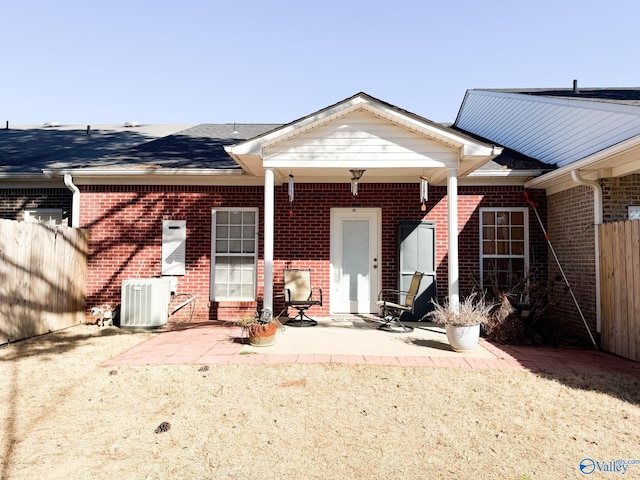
197,61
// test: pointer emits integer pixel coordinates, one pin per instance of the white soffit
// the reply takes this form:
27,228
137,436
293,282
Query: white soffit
616,161
554,130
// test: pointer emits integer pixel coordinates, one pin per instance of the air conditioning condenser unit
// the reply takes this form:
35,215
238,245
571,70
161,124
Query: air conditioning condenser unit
145,302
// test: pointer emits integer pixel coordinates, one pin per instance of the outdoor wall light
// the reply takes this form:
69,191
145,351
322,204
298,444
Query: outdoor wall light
355,176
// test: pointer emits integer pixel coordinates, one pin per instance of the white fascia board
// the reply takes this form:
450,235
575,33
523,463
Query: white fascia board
470,150
29,181
142,172
506,173
509,180
157,177
20,176
370,164
191,180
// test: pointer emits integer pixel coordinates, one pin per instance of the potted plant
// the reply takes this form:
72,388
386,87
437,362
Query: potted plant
261,329
462,326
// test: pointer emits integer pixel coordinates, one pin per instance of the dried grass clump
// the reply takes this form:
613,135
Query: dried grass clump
473,310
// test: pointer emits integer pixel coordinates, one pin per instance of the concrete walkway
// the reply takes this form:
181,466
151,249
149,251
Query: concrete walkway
357,342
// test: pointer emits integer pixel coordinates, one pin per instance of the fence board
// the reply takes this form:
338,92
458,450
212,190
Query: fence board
606,292
42,279
619,282
634,326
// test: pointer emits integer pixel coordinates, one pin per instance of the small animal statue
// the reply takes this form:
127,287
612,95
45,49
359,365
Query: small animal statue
103,315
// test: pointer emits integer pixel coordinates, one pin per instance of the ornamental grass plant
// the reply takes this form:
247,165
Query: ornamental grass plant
473,310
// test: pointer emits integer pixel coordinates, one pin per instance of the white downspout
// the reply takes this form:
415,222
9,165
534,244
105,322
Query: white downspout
597,220
75,202
269,201
452,235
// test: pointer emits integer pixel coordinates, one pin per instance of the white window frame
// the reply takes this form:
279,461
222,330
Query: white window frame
34,215
214,254
483,256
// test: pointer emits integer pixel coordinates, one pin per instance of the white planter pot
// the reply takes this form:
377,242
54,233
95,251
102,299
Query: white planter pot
463,339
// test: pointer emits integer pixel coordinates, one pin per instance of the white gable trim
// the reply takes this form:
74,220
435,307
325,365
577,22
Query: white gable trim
258,153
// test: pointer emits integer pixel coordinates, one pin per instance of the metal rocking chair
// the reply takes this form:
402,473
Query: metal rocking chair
298,294
395,302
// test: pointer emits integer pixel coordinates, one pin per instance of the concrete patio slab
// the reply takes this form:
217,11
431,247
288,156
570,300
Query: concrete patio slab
361,337
357,341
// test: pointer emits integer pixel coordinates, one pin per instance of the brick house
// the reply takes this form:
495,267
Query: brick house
255,199
591,139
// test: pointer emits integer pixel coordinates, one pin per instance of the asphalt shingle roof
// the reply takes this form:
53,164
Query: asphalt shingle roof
31,150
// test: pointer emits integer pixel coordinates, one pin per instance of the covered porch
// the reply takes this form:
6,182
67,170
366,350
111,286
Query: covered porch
357,159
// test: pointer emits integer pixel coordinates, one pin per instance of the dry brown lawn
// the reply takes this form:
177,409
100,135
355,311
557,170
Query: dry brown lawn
64,416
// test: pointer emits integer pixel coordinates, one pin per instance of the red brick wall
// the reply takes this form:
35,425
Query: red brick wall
617,195
14,201
572,235
126,223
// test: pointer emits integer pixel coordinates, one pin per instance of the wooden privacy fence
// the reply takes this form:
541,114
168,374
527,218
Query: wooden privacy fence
620,287
42,279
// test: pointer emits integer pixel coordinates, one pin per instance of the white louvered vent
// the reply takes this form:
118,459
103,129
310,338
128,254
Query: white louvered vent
145,302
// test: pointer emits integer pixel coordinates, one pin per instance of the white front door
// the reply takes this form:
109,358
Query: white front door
355,257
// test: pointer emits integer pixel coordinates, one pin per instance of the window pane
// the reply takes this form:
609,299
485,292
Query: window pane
249,232
222,231
488,233
235,232
247,276
235,246
517,233
247,290
222,274
222,218
220,290
488,218
235,218
249,218
517,248
503,233
502,218
222,246
488,248
235,290
517,218
248,246
235,275
503,248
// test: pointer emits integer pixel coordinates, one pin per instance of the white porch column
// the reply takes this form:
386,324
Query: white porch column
452,235
268,239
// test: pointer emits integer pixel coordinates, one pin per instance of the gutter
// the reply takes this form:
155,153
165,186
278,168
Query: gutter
597,220
75,203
